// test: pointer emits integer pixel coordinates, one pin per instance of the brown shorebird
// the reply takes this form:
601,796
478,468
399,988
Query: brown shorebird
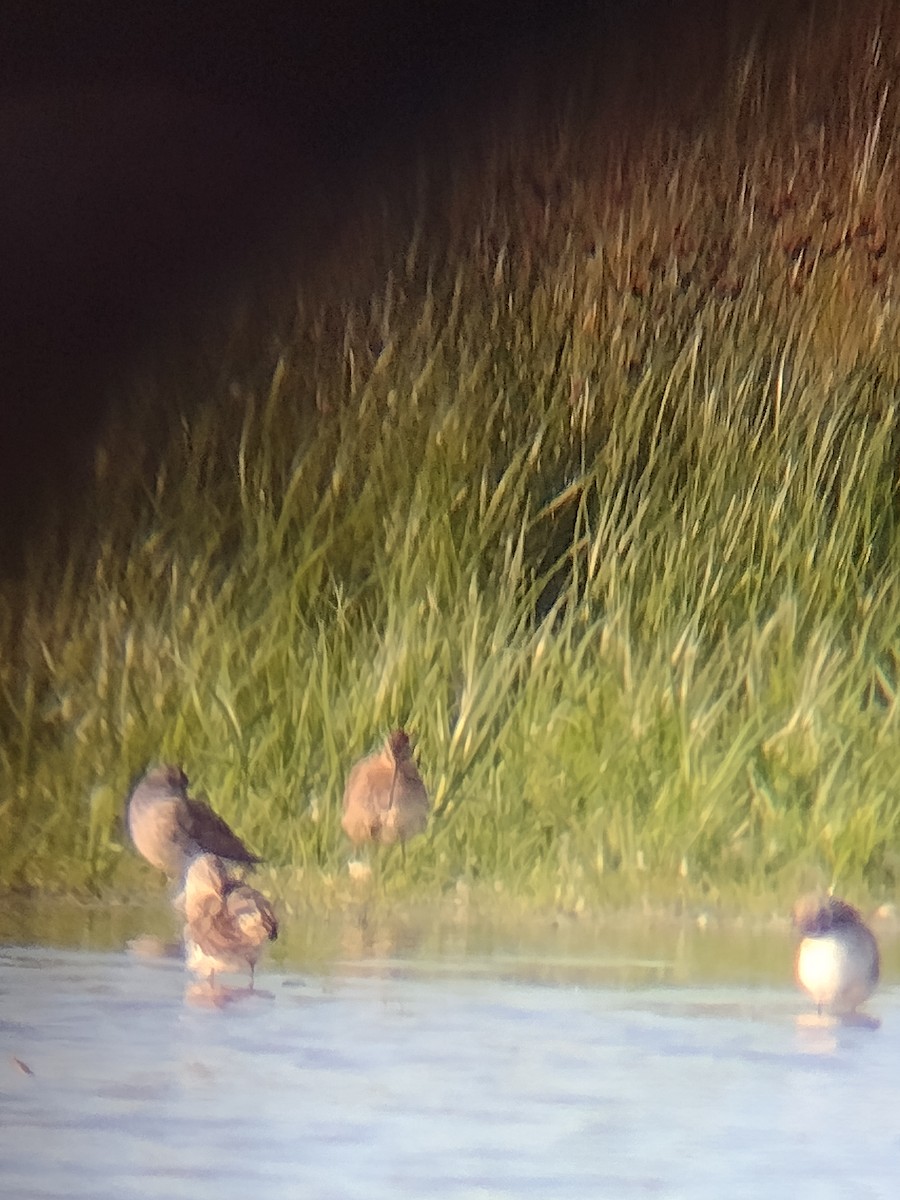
227,922
169,827
385,800
837,958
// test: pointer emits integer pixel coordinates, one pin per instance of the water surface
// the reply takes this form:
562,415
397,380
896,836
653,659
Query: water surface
532,1071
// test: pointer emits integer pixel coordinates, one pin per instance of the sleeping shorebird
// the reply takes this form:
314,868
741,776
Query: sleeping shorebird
837,959
385,800
227,922
169,827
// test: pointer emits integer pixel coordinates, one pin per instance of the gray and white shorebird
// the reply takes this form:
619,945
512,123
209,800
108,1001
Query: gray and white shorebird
837,960
170,828
385,800
227,922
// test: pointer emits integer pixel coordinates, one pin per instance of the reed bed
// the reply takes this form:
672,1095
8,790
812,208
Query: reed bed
595,491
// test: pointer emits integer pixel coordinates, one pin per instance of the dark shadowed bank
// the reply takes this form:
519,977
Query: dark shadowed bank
157,164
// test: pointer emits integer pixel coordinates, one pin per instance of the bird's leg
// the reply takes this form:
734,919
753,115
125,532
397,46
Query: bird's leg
385,855
377,860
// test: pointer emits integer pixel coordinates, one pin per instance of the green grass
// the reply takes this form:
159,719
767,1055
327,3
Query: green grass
596,493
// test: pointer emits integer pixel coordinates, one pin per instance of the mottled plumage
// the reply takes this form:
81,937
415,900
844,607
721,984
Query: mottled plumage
170,828
385,800
837,959
227,922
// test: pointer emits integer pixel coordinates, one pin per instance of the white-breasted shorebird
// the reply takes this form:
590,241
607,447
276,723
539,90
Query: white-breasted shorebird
837,959
227,922
385,800
170,828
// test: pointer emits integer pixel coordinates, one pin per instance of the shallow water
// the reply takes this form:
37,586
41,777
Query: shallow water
501,1073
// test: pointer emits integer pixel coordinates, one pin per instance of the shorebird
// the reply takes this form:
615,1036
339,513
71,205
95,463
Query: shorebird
169,827
385,800
227,922
837,960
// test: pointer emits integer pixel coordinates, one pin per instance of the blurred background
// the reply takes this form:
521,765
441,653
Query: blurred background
155,161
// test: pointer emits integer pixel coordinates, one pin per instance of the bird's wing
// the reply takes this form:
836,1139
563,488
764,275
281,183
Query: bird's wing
250,911
413,783
212,834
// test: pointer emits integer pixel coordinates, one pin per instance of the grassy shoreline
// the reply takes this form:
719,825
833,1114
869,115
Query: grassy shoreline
596,492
